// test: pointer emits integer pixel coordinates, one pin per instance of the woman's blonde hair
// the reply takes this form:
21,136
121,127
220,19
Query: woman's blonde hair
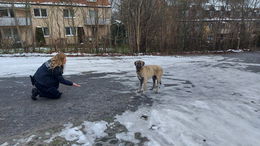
58,60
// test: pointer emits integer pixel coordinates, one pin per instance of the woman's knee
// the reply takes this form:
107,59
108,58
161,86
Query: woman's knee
58,96
54,93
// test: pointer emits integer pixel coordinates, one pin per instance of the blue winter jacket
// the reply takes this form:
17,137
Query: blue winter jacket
48,77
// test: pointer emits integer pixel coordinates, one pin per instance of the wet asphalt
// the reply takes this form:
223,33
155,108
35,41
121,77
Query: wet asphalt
98,98
252,58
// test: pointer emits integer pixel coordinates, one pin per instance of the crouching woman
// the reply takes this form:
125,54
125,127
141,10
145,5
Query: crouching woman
48,77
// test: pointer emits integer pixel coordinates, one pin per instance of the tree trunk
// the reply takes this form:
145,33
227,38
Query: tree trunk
17,25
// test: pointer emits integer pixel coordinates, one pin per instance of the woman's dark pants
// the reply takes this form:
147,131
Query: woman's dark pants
51,92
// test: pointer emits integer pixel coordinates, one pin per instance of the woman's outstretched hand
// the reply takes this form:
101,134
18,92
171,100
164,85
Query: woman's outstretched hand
76,85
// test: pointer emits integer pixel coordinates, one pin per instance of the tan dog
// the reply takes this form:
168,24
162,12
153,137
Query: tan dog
144,73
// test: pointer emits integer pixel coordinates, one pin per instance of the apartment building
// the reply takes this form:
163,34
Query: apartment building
48,21
226,23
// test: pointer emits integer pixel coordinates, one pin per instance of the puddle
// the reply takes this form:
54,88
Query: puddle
170,85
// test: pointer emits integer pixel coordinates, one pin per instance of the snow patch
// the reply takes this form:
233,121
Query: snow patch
85,134
4,144
127,136
24,140
235,51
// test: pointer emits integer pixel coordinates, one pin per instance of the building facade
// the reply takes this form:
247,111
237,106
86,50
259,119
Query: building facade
225,26
46,22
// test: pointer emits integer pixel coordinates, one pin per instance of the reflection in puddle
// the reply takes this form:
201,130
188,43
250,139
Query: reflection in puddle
170,85
252,68
88,72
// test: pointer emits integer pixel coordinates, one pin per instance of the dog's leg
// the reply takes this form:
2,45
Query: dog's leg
141,79
144,84
157,87
154,82
158,84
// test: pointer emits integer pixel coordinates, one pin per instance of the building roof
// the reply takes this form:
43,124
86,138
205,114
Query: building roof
103,3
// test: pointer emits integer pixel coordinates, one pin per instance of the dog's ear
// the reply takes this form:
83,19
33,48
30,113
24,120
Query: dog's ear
135,63
142,62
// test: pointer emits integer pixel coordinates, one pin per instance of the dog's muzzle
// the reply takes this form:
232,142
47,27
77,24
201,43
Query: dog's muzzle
138,68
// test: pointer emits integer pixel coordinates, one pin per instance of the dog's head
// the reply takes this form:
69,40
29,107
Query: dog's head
139,64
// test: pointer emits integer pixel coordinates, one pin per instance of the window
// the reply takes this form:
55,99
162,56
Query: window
210,25
240,14
250,14
186,13
92,0
70,31
4,12
94,31
93,14
211,13
258,13
258,24
199,13
37,12
40,12
10,33
44,12
210,38
68,13
45,31
222,13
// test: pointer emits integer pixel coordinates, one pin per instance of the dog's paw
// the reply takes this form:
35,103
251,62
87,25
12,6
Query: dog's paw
151,88
140,91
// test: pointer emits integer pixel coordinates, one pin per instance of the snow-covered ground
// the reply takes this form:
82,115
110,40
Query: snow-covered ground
204,100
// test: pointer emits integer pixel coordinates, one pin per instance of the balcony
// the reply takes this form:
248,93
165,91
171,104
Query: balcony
100,21
9,21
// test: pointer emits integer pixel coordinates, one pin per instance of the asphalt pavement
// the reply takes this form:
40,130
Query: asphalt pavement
97,99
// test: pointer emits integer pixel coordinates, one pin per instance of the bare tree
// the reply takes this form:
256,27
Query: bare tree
17,23
187,25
